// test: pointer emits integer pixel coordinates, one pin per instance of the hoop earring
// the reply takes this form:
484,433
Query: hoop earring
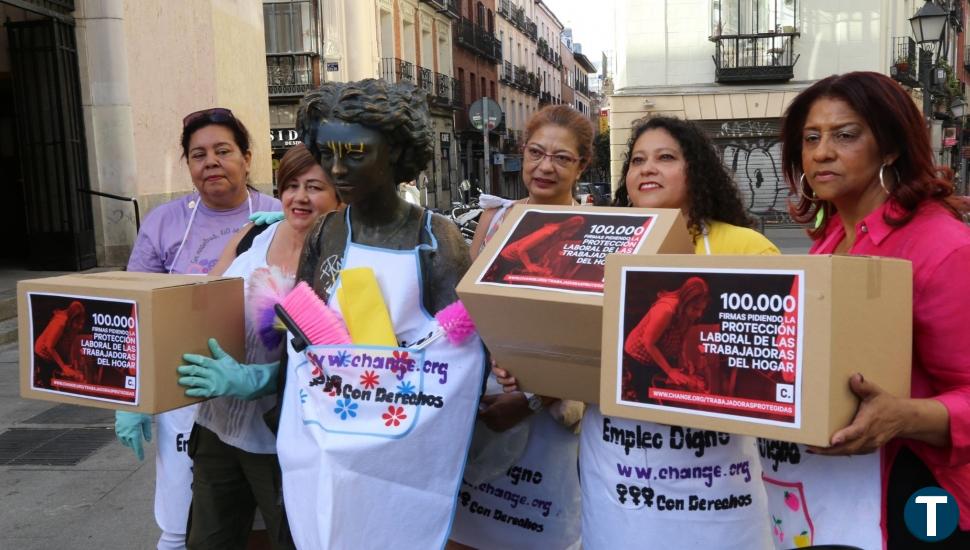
882,182
801,190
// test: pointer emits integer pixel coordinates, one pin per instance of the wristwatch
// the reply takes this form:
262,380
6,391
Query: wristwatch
535,402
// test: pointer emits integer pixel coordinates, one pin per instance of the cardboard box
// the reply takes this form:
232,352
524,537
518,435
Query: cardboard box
541,316
763,345
122,335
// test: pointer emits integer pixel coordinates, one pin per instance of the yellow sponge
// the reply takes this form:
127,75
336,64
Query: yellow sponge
363,308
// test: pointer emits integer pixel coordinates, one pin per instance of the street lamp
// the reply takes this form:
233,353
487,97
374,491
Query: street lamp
927,25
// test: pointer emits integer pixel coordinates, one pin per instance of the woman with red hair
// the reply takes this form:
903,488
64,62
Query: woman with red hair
856,148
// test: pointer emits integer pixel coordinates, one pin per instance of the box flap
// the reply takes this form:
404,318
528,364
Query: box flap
122,280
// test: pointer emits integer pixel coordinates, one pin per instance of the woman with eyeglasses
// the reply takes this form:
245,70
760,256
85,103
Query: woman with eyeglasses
187,236
640,480
518,434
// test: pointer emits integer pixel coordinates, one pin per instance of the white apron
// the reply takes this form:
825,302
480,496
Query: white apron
815,499
535,503
361,470
173,468
669,486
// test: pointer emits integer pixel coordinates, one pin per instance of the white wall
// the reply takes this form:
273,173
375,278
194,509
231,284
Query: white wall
665,42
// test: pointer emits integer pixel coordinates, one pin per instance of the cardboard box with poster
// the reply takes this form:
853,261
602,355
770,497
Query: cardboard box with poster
753,345
114,339
536,290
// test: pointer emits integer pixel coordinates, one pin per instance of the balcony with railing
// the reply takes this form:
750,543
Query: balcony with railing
531,29
904,68
767,57
533,84
508,75
521,80
477,39
511,141
759,49
504,9
397,70
447,92
518,17
581,85
290,74
545,98
425,79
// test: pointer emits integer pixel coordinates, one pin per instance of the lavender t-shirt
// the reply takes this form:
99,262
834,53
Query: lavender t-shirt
161,234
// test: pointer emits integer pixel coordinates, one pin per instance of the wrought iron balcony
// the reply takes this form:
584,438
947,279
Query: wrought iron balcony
521,77
290,74
397,70
904,68
545,98
477,39
755,57
531,29
533,84
511,141
518,17
507,76
426,79
447,93
446,7
503,9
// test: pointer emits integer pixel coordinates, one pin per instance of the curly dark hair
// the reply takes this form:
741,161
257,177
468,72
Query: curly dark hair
711,193
399,111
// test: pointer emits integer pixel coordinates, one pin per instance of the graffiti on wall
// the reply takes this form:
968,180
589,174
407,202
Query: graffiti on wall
751,152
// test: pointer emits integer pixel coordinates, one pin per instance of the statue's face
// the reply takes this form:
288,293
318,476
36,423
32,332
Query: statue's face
357,159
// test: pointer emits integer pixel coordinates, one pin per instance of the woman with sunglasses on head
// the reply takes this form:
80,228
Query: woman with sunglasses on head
187,236
671,163
855,147
539,432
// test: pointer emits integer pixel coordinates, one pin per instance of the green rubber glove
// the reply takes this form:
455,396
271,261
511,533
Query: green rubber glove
130,427
222,375
265,218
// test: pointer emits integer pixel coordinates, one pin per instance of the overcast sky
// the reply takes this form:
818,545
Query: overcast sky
592,24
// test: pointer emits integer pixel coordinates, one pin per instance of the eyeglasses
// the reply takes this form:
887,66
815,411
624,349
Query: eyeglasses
216,114
536,154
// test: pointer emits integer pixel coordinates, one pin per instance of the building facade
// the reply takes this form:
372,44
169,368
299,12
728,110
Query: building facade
416,45
530,77
477,54
734,65
92,103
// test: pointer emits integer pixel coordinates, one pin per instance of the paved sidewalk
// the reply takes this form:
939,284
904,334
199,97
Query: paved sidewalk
103,503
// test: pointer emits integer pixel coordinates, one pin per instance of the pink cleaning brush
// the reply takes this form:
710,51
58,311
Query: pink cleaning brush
454,323
310,320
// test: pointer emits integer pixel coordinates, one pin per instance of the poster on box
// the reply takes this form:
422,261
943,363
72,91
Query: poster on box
84,346
565,250
716,342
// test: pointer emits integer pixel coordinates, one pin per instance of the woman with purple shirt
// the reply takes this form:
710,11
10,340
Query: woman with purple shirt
187,236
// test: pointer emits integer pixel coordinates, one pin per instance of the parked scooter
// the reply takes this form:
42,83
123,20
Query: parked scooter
465,214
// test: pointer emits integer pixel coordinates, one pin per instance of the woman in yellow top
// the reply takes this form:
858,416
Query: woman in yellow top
671,163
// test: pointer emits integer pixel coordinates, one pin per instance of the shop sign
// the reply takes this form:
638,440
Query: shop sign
283,138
